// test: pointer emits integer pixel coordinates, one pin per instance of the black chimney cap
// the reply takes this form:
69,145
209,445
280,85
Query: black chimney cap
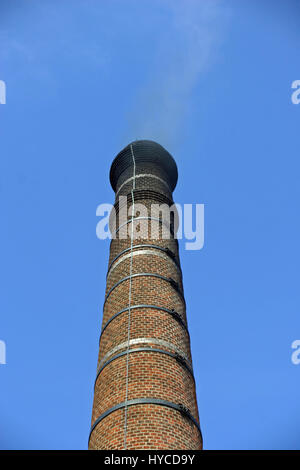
144,151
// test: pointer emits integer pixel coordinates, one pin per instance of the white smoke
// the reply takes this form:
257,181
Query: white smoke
190,44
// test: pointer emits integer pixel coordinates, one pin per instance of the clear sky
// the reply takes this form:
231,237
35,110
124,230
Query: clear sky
211,81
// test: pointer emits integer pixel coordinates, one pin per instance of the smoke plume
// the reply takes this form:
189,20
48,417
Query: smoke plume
191,41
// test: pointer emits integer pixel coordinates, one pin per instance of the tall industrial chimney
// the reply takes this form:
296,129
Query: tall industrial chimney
144,394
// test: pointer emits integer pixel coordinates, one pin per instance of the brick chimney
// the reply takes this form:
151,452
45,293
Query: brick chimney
144,395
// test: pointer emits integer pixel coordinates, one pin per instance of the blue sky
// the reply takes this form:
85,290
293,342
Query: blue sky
211,81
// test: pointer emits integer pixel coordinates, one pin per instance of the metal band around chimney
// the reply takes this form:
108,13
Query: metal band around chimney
154,307
144,252
145,175
148,401
173,283
146,245
160,343
180,359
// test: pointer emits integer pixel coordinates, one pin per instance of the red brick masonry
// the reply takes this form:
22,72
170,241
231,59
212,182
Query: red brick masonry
145,395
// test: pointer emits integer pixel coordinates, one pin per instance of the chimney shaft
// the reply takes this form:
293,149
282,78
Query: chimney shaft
145,394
